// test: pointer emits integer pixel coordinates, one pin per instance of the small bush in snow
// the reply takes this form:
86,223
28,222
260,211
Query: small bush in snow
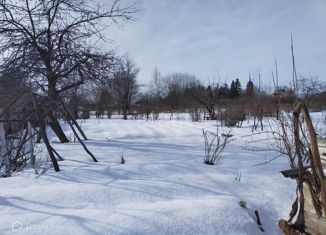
16,151
215,143
243,204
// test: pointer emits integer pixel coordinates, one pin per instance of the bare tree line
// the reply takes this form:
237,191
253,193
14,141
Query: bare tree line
182,92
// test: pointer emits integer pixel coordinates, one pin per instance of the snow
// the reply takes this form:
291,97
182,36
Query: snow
163,187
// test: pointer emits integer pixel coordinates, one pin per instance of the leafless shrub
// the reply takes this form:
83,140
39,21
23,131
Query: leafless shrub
124,85
16,153
232,116
215,143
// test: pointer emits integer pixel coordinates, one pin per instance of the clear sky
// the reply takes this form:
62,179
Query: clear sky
226,39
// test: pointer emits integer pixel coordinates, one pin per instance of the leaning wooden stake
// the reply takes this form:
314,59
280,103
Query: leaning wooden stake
259,222
73,119
81,142
294,72
31,143
44,135
56,153
63,110
300,223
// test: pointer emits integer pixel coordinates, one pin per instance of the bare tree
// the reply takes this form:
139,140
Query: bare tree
310,88
174,86
52,40
124,85
156,93
103,101
146,105
201,97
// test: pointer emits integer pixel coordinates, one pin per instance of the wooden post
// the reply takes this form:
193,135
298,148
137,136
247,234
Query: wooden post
73,119
75,132
31,143
56,153
258,221
44,135
81,142
296,122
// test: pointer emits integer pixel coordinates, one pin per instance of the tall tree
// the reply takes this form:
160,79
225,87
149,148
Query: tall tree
53,41
238,86
309,88
235,88
174,86
124,85
156,93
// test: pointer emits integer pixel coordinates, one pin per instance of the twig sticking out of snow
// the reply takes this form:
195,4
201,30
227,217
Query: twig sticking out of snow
258,221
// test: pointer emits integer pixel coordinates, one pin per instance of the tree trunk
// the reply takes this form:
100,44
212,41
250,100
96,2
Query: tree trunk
31,144
125,112
44,135
54,124
3,153
125,117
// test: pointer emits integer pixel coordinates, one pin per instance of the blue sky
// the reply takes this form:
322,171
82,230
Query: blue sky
226,39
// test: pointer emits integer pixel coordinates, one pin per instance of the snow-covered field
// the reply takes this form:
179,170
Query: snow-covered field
163,188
